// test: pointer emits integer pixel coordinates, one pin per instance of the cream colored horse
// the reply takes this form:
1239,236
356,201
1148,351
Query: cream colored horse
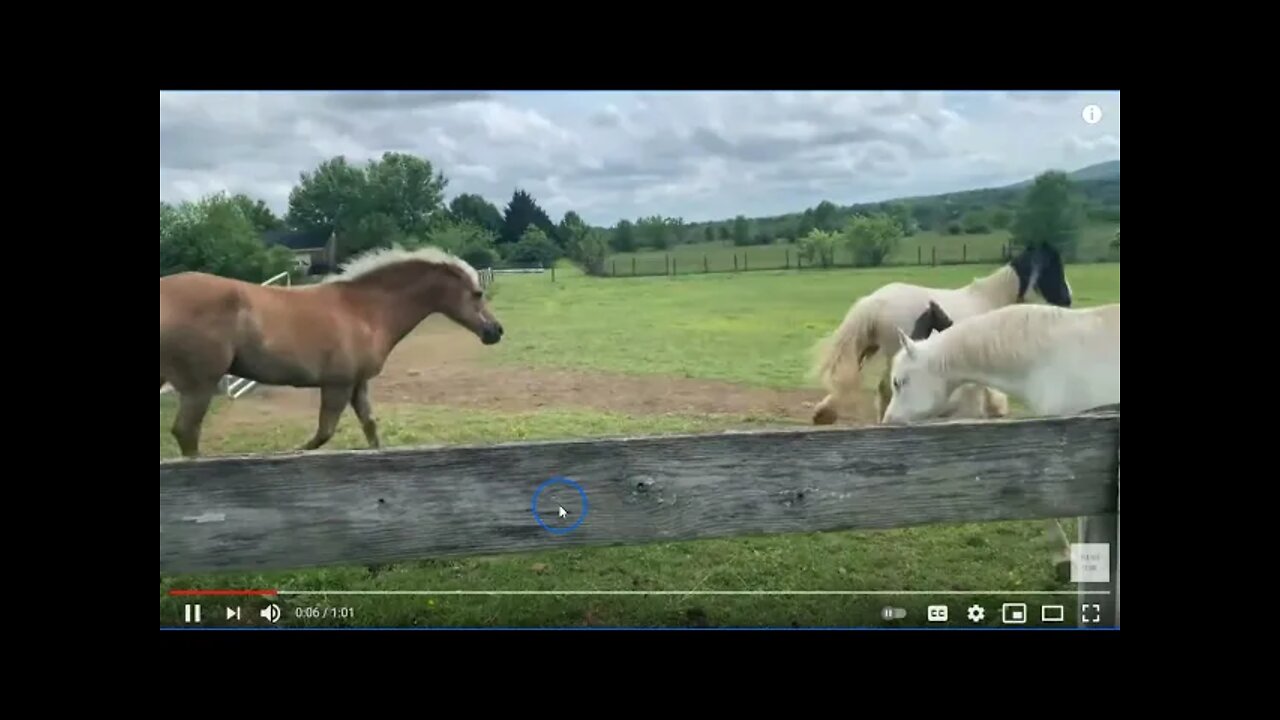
874,323
1056,360
969,400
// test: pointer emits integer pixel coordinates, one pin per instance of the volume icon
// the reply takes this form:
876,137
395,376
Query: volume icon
271,613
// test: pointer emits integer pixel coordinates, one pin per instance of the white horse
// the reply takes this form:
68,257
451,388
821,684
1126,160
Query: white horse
969,400
1058,361
874,323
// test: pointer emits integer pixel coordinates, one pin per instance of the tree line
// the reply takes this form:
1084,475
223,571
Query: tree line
397,199
1052,211
400,199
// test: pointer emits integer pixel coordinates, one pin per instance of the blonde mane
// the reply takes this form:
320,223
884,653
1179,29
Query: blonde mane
369,261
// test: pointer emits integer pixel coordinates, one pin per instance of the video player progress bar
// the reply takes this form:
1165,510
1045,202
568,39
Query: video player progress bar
1004,593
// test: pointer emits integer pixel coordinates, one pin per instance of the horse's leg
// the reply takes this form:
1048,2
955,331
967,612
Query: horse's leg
333,400
193,404
364,411
824,413
884,393
1061,552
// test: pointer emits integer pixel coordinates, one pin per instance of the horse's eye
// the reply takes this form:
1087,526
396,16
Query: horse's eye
478,294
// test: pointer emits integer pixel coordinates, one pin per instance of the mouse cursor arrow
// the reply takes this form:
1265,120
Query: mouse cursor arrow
561,511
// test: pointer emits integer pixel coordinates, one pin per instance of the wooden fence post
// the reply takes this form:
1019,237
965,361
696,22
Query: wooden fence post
788,252
919,259
934,259
1102,610
633,265
705,267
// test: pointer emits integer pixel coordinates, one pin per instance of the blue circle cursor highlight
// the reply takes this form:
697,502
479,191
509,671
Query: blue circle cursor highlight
560,480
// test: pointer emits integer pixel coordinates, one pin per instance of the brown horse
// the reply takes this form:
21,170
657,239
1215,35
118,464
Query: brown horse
335,335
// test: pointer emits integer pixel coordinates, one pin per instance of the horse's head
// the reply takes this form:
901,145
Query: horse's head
421,282
918,391
930,321
463,301
1040,268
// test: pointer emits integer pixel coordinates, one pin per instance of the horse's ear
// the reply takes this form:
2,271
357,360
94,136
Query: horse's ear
941,320
907,344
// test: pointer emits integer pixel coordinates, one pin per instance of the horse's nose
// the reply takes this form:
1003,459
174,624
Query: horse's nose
492,333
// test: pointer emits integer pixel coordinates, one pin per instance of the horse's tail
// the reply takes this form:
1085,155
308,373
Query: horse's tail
841,354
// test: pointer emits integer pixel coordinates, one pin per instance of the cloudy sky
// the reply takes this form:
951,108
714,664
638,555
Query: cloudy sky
610,155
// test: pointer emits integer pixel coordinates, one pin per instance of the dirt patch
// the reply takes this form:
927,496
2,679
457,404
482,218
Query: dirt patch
430,368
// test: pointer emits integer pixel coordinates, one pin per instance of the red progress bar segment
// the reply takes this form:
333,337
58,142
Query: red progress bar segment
224,593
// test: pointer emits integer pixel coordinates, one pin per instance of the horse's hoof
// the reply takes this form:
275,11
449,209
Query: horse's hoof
1063,571
825,416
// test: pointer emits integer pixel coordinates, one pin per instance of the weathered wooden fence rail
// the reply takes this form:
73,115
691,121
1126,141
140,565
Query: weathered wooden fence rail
299,510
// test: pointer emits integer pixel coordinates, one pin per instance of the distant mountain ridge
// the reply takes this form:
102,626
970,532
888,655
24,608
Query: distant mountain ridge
1109,170
955,212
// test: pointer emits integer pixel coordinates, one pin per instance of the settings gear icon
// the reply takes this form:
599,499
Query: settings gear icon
976,613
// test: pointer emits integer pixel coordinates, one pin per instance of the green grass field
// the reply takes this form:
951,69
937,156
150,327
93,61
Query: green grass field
754,329
1095,239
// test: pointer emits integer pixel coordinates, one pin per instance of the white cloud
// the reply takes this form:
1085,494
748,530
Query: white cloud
611,155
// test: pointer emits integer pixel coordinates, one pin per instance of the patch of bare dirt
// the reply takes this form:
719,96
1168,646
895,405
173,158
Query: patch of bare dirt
430,367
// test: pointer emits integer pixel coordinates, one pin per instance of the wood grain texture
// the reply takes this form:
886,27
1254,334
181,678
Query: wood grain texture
322,508
1104,529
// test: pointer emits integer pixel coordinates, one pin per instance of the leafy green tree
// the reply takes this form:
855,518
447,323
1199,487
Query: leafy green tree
656,231
871,238
215,236
388,200
520,213
534,248
589,251
258,213
818,248
623,238
406,189
1051,213
741,231
571,228
901,213
472,208
467,240
825,216
975,222
331,196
